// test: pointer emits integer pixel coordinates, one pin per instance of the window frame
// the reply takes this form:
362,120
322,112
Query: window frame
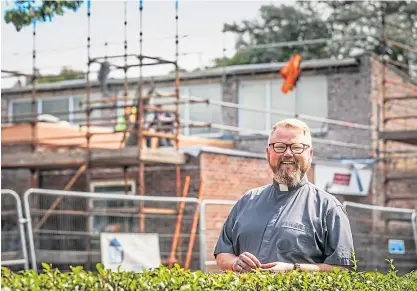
113,182
268,115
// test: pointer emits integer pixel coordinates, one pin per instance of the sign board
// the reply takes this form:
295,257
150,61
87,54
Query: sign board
396,246
133,251
343,179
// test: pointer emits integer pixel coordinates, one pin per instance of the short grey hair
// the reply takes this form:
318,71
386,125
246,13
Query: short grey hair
293,123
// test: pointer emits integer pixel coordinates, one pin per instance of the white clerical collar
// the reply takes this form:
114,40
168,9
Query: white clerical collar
283,188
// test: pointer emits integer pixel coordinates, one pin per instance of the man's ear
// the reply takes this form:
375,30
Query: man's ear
311,155
267,153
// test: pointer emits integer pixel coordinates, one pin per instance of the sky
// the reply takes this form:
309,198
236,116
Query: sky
62,42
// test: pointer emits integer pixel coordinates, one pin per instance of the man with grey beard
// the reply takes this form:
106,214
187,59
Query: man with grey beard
289,224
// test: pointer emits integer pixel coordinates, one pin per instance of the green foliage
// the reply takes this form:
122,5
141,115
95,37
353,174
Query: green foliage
64,74
353,18
281,23
177,278
26,12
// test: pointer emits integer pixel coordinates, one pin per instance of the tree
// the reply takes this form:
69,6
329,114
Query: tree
25,12
376,21
357,25
278,24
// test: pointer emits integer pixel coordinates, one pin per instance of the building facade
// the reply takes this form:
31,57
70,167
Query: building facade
339,99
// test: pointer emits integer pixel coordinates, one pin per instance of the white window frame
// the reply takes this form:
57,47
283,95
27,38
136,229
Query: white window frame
39,103
55,98
21,100
116,182
268,125
187,113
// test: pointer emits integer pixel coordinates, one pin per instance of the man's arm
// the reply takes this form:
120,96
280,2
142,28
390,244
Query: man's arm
245,262
320,267
338,246
225,261
288,267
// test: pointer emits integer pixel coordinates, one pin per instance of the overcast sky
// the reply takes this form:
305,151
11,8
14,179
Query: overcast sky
62,42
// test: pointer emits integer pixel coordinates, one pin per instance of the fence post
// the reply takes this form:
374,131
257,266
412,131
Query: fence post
202,227
414,223
20,221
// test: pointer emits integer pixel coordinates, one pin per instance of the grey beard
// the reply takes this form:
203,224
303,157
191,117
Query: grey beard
291,180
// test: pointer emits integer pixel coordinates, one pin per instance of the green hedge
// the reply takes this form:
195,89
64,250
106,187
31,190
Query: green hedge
180,279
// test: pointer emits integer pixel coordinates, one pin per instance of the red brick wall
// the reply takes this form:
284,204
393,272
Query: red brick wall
395,86
227,177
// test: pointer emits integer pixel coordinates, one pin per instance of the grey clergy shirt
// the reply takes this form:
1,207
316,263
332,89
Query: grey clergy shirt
302,224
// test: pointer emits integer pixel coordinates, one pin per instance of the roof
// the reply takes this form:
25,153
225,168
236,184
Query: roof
212,72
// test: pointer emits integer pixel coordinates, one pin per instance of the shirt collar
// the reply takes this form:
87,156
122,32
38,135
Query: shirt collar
281,188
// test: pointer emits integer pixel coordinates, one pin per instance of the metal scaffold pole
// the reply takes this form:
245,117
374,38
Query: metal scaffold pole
141,112
88,135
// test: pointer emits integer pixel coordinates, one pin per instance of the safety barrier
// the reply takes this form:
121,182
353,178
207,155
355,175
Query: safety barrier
209,235
13,239
69,223
381,233
71,236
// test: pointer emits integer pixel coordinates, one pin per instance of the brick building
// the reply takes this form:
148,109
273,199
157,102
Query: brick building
348,90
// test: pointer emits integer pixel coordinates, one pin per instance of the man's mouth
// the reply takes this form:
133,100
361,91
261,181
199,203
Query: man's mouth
288,163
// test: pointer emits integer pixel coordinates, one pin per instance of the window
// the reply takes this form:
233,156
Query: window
56,107
309,98
312,95
198,111
252,94
280,102
105,223
19,108
79,115
205,112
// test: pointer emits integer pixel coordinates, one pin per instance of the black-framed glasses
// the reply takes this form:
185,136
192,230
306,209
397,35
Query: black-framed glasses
296,148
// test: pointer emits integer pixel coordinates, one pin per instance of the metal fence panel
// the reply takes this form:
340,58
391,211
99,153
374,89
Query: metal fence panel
69,232
13,239
213,214
414,222
381,233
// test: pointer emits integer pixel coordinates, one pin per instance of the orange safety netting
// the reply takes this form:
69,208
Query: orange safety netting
290,73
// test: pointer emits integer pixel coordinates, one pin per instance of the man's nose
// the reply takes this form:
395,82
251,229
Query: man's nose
288,152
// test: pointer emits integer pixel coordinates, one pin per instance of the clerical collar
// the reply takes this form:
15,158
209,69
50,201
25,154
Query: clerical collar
285,188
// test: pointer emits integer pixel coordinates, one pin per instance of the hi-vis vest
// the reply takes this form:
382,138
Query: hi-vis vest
130,113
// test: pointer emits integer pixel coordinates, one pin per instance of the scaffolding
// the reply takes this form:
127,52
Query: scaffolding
393,129
135,128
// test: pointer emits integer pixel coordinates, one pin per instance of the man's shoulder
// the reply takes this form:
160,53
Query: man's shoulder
322,196
256,192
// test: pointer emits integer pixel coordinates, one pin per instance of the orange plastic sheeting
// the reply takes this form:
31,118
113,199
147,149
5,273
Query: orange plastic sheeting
64,135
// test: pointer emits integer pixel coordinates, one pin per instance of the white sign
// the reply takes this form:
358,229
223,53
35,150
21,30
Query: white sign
396,246
133,251
343,179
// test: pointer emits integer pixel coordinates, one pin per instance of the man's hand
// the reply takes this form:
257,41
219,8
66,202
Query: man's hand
277,267
245,263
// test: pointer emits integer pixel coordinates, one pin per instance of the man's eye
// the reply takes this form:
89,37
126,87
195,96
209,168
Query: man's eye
280,148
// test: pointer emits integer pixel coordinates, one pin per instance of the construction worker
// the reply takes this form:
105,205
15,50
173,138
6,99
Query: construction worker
130,115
